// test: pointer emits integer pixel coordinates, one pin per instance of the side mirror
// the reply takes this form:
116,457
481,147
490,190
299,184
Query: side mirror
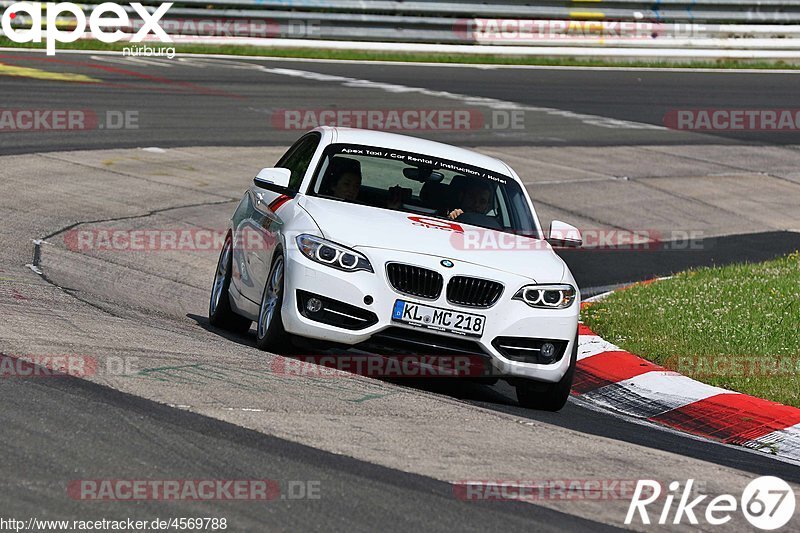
563,234
273,179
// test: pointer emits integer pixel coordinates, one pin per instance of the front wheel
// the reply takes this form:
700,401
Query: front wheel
270,334
548,396
220,313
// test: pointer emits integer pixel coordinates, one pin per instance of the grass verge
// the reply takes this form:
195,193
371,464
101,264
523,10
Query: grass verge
735,326
363,55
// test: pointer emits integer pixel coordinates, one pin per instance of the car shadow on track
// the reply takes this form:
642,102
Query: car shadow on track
462,389
246,339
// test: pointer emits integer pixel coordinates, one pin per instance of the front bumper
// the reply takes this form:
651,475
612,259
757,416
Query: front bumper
506,318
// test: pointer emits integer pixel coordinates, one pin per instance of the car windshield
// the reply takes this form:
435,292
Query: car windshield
422,184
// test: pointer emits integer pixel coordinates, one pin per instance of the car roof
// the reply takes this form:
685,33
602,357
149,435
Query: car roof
417,145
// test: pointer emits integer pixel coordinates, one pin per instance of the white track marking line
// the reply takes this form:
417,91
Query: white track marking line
492,103
478,66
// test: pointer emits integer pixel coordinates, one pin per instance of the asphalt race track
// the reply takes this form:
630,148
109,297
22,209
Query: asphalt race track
204,405
198,102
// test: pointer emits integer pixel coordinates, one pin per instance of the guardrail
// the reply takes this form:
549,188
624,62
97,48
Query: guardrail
503,27
716,11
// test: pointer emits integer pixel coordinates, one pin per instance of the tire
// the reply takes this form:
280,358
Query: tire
220,313
270,334
548,396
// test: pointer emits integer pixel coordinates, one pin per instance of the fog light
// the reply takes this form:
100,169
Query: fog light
548,351
313,305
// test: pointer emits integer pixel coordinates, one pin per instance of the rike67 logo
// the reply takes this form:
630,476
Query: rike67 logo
103,17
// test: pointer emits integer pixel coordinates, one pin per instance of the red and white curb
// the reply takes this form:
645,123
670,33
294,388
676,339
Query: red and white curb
616,380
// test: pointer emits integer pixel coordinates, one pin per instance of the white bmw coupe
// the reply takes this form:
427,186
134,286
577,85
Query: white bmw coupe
398,245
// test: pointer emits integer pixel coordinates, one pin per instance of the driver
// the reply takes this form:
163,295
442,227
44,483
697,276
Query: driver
475,197
344,181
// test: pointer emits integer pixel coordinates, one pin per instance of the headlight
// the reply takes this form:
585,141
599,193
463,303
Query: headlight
547,296
332,254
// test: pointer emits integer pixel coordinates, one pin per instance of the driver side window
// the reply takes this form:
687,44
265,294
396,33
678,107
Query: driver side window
298,157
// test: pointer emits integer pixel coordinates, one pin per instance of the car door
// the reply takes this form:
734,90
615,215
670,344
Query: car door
260,232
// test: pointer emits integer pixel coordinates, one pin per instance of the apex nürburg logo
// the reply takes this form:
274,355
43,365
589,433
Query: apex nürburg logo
115,17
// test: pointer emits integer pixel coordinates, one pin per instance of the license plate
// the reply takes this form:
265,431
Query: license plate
438,319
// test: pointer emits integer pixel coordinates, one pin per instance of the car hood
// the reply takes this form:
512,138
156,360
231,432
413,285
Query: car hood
361,226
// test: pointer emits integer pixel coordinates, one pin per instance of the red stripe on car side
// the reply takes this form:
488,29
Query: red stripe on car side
278,202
